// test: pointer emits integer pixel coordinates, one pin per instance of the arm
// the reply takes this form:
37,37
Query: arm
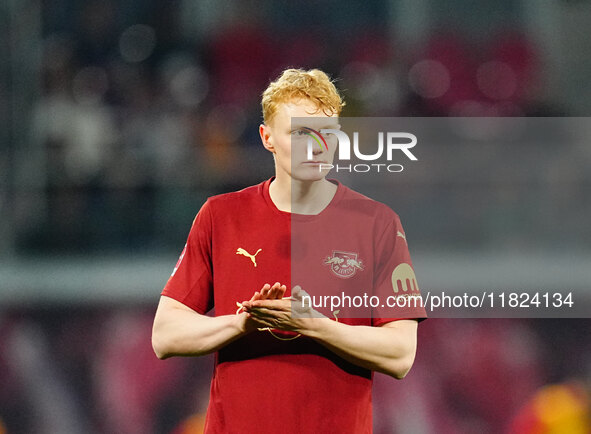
389,349
180,331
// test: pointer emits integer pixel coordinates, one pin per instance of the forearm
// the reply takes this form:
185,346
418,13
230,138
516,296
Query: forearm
390,350
187,333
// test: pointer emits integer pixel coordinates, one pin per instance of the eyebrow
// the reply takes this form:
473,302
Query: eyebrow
298,125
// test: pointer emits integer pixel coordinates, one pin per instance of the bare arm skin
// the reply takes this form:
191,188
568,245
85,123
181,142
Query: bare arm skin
389,349
180,331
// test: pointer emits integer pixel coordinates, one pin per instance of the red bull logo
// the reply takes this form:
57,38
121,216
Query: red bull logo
344,264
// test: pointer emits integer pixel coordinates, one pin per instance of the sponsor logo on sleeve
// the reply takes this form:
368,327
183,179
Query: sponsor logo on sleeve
404,279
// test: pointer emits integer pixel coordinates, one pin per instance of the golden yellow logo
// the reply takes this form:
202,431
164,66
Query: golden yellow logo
404,278
241,251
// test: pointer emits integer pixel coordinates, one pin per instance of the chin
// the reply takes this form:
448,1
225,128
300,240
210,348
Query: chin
309,174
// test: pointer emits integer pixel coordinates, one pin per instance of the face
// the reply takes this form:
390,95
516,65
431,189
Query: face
287,136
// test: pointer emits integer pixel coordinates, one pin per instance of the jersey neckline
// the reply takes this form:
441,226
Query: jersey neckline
301,217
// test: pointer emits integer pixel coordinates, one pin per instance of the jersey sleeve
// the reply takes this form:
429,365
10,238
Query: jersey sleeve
395,281
191,281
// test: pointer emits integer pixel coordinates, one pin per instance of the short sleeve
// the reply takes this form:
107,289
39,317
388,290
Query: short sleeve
395,282
191,281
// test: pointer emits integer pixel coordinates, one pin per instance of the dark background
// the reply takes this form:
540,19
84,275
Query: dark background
119,118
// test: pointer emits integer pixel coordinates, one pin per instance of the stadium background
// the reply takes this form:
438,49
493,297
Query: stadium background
118,119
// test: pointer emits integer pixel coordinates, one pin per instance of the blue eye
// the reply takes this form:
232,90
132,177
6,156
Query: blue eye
299,132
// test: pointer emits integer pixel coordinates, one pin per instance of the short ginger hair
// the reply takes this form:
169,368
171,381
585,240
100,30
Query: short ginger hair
293,84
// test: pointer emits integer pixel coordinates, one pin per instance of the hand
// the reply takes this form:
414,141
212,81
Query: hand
289,314
267,292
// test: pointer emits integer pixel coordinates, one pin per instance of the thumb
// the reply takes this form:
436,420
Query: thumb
298,293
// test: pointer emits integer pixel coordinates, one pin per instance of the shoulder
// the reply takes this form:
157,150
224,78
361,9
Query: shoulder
378,211
235,199
221,207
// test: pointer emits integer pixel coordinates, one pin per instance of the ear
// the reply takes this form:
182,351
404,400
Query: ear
265,133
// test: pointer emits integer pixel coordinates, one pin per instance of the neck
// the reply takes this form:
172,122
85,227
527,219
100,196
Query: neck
301,197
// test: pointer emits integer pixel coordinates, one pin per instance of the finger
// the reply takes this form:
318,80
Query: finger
298,293
265,290
261,323
263,312
276,292
255,296
295,293
279,305
273,291
281,291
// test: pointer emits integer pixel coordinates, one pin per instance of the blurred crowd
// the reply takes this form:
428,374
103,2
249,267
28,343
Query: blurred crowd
92,370
138,122
143,109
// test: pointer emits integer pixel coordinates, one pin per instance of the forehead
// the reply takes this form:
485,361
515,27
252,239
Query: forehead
304,113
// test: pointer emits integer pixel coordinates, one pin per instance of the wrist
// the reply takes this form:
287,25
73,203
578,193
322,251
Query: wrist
241,323
316,328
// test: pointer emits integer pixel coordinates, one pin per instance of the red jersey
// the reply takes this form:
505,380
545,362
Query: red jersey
238,242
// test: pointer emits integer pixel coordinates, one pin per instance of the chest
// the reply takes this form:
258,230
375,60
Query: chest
250,250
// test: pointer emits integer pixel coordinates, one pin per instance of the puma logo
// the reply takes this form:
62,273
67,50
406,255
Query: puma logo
241,251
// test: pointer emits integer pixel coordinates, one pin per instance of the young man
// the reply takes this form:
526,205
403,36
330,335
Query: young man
277,371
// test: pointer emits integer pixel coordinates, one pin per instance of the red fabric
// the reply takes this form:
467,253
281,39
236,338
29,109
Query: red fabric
262,384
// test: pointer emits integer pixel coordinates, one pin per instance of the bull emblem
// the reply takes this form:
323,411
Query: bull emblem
333,260
354,263
344,264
